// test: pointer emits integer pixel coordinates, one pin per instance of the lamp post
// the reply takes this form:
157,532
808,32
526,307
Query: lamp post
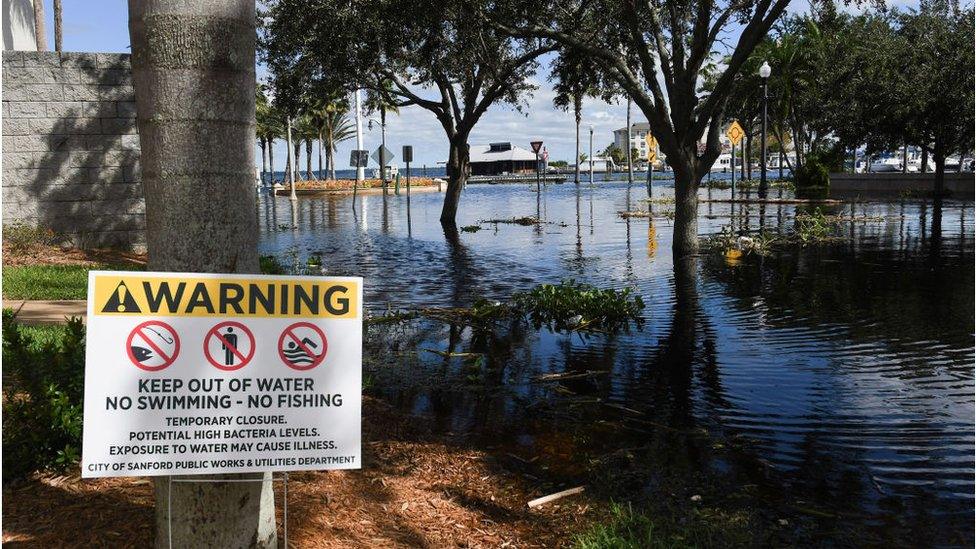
591,155
764,72
360,170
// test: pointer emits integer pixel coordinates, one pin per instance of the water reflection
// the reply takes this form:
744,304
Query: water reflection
838,376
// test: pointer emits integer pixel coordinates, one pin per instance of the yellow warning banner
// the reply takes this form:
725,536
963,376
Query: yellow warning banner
166,294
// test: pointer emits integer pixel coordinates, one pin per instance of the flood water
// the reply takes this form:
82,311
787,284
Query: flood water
835,381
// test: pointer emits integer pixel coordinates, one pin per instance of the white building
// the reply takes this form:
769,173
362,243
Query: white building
638,135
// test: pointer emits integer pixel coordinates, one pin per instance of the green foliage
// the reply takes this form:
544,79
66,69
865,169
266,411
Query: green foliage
812,227
813,173
23,238
42,396
51,281
629,529
572,305
470,228
271,265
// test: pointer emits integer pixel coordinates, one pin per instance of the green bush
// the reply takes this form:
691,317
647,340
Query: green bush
22,238
812,174
44,370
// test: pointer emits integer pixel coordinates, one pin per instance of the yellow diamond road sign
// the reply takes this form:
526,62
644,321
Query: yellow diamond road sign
651,147
735,132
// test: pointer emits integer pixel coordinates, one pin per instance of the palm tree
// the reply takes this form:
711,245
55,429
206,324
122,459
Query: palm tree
267,129
40,37
58,23
336,128
575,81
382,101
306,132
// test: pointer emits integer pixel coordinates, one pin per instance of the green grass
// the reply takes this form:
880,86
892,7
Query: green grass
630,529
50,281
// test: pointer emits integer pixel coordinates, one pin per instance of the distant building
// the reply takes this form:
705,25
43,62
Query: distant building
638,134
501,158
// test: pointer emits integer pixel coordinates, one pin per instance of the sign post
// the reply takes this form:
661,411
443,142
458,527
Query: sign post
735,134
408,157
202,374
651,158
536,146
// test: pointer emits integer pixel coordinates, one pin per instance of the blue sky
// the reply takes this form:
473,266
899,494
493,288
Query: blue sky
102,26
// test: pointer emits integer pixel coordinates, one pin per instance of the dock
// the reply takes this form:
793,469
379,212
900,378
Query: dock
516,178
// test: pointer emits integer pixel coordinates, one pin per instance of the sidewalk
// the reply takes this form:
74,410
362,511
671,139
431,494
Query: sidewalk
46,312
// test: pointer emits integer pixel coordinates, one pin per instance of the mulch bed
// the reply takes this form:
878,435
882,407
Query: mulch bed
54,255
416,489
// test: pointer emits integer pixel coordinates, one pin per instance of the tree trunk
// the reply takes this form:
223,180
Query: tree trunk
298,157
40,36
457,175
271,159
940,159
58,24
576,162
630,159
330,160
264,158
320,157
197,175
686,181
308,159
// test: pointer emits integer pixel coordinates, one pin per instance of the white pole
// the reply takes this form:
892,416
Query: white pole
360,171
591,155
291,165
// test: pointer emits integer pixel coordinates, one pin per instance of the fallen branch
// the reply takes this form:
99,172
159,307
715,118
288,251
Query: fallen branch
553,497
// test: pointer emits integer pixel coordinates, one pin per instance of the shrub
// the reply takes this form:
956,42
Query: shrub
23,238
812,174
43,388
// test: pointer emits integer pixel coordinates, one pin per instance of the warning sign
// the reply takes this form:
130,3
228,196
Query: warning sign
152,345
302,346
229,346
204,374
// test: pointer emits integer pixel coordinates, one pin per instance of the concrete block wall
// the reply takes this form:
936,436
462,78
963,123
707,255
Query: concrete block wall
70,147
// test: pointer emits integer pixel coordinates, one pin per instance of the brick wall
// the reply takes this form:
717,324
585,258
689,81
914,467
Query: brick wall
70,147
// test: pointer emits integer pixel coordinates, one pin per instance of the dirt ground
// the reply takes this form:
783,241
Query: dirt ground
415,490
54,255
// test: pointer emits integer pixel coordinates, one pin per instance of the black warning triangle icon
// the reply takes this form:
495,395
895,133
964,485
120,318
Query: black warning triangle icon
121,301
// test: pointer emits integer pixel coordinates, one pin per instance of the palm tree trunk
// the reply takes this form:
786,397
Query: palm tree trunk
271,159
298,156
200,208
320,156
58,23
40,36
576,162
630,160
330,160
308,159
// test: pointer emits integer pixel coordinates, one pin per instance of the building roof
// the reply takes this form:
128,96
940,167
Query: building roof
485,153
636,126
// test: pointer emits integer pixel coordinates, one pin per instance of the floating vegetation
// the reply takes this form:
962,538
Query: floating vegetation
665,214
567,306
470,228
810,228
571,305
524,221
662,201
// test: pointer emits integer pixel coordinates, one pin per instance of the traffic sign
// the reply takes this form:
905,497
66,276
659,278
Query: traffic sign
735,133
358,158
152,345
387,155
651,156
651,142
206,374
536,145
229,346
302,346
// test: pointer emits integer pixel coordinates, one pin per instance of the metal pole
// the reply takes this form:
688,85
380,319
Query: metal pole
537,172
650,179
591,156
762,173
733,172
408,178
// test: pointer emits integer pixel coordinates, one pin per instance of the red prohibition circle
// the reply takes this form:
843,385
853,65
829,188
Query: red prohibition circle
168,359
316,358
215,332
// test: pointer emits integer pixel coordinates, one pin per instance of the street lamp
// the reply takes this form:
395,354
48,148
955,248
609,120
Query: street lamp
764,72
591,155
